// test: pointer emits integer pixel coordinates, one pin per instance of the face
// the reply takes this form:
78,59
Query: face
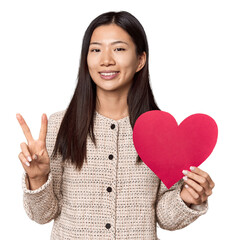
112,58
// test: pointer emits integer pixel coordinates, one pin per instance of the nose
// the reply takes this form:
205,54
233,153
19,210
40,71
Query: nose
107,59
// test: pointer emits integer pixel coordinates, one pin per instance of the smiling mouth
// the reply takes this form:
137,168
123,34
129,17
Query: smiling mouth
109,75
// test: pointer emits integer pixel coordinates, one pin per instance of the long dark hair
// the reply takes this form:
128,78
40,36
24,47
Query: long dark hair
78,119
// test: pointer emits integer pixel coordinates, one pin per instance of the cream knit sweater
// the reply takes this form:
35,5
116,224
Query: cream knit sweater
111,197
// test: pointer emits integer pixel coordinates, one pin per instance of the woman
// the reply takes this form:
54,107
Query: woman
84,171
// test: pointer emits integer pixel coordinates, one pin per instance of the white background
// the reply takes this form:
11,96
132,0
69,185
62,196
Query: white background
191,67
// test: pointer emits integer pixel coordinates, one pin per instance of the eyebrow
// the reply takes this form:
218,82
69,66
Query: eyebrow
113,43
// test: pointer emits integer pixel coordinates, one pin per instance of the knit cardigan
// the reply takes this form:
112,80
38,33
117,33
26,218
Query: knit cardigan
111,197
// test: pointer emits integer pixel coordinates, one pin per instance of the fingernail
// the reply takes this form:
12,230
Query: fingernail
29,159
185,172
27,163
185,178
186,186
35,157
18,116
192,168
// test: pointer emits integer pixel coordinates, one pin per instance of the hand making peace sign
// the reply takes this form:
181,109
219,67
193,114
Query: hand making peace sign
34,156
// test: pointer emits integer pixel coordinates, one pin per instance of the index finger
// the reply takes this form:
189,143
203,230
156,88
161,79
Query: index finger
25,128
43,131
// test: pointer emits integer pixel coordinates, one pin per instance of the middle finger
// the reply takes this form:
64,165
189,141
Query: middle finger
197,188
204,174
199,179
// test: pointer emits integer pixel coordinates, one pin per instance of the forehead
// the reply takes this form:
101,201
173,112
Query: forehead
109,33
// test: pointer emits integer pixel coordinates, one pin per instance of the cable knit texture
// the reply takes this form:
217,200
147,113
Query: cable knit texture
112,197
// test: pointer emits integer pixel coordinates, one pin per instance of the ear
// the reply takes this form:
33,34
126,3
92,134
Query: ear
141,61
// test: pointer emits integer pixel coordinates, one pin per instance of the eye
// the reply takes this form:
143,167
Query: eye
95,50
120,49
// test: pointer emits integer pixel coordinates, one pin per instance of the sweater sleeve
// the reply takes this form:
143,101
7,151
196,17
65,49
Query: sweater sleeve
44,204
171,211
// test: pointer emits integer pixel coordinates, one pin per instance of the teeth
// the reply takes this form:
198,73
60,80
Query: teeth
108,74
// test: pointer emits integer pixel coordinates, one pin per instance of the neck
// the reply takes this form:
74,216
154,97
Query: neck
111,105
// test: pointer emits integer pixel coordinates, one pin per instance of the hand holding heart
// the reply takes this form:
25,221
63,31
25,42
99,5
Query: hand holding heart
198,186
168,148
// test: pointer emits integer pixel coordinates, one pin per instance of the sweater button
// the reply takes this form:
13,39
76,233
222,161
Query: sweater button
109,189
108,225
112,126
111,156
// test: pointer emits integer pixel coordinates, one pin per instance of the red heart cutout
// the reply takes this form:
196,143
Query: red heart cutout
167,148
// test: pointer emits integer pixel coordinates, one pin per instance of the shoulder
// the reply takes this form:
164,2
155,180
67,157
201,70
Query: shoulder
58,115
56,118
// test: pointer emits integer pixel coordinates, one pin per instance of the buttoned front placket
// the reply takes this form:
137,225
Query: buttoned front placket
111,188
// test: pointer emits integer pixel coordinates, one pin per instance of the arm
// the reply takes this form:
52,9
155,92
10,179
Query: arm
44,203
171,211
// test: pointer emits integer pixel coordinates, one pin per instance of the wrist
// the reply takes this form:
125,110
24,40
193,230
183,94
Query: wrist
182,198
35,183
